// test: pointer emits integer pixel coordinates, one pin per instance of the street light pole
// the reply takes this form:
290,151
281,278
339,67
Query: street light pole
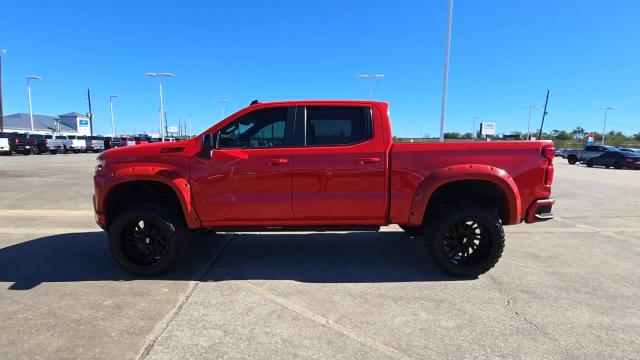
473,130
29,78
162,119
445,79
113,126
223,103
529,123
2,52
190,124
370,77
604,127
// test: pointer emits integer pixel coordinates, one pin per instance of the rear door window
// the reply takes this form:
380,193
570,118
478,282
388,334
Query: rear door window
337,125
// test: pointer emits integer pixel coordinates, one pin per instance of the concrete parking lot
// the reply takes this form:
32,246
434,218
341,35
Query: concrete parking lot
568,288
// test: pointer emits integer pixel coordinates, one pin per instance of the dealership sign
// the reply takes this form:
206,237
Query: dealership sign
487,128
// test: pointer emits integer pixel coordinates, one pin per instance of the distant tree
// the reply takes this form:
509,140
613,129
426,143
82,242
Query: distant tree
467,135
578,133
452,135
563,135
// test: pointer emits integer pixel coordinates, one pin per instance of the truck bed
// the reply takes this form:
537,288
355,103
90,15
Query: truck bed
415,164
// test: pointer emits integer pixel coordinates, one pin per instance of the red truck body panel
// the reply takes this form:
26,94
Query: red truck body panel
374,182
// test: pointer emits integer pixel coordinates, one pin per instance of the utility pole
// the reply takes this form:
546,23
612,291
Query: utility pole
190,124
445,79
2,52
544,115
529,123
604,126
90,112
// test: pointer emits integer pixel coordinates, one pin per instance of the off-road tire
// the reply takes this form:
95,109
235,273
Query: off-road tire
170,226
491,239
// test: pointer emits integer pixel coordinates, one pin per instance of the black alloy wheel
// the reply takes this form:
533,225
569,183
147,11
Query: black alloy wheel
147,239
144,243
465,239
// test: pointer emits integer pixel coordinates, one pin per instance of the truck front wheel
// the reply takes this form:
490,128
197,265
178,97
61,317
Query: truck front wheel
466,240
572,159
147,240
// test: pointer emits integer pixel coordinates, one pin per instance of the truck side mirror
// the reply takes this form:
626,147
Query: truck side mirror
207,144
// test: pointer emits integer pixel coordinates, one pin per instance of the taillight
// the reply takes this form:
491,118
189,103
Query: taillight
548,153
15,141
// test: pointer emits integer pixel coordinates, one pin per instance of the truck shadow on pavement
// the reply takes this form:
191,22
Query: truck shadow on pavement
317,257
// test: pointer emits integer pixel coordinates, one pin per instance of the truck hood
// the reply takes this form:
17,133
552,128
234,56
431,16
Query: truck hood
144,150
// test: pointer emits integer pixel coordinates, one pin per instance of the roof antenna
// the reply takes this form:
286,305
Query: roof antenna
254,102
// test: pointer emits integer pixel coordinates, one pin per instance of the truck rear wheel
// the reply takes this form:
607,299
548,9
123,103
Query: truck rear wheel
572,159
147,240
466,240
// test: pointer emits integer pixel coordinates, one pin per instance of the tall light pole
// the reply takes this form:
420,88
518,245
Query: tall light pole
190,124
113,126
473,130
529,123
2,52
604,127
223,103
445,79
29,78
162,119
370,77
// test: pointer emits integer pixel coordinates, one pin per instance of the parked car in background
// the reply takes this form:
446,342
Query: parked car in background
77,144
575,156
5,148
41,144
616,159
94,143
54,145
19,143
64,140
128,140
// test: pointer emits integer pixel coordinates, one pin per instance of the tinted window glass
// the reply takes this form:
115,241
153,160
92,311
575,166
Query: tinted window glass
337,125
259,129
591,148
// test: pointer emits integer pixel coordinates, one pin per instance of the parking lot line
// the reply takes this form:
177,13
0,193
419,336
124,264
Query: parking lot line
47,213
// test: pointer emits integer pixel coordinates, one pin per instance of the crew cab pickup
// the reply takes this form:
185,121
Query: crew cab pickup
20,144
590,151
319,165
77,144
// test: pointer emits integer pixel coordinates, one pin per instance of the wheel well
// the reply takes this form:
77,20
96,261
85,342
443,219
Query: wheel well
481,192
137,192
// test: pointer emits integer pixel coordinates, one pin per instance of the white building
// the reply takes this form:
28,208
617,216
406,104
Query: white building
66,124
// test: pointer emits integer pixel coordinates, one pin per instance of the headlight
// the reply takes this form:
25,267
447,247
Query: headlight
100,164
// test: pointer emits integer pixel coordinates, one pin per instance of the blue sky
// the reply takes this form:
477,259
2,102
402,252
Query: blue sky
504,56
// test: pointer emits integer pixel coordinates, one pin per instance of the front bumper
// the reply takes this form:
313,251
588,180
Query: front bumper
540,210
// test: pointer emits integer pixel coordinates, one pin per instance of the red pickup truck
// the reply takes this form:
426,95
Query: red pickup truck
319,165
